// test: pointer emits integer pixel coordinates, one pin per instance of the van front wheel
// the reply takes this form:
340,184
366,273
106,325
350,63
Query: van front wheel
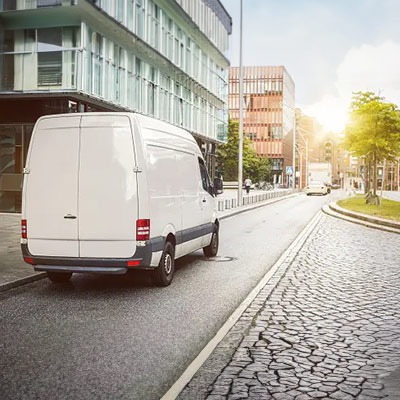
163,274
212,249
59,277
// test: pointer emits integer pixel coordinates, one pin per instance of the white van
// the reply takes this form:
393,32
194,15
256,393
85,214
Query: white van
109,192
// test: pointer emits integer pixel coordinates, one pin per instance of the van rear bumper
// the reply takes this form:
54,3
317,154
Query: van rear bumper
69,268
140,260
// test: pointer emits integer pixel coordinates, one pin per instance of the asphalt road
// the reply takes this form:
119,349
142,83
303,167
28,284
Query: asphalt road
102,337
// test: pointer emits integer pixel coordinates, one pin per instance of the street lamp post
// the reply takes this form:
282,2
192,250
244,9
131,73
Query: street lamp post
240,152
294,152
305,139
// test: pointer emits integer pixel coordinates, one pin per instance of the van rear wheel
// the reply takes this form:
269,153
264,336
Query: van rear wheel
163,274
59,277
212,249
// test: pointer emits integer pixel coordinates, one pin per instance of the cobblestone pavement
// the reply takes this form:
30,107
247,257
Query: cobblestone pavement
327,326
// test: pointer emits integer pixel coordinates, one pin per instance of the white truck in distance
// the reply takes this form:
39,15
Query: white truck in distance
320,171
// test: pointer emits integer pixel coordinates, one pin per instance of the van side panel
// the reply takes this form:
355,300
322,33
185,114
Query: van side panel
191,209
50,188
107,187
163,189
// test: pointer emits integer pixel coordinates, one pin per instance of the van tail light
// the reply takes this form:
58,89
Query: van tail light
142,229
24,229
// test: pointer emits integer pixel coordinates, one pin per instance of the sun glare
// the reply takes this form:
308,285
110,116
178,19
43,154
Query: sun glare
330,114
333,120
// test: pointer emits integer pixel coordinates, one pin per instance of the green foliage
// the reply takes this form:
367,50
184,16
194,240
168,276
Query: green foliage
264,169
254,167
373,131
374,128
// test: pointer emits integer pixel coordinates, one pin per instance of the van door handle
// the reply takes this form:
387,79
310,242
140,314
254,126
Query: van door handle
204,200
69,216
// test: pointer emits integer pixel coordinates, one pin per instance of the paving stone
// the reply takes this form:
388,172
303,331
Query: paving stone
238,396
371,393
339,395
354,391
316,394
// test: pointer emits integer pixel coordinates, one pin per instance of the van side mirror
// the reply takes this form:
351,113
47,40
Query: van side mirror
218,186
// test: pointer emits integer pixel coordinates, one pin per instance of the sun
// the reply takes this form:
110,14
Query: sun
331,113
333,120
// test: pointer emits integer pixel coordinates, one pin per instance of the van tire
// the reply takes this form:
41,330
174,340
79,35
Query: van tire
164,273
212,249
59,277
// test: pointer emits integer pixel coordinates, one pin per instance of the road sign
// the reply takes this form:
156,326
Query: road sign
289,170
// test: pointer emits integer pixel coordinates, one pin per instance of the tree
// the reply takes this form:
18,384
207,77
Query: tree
374,133
254,167
264,169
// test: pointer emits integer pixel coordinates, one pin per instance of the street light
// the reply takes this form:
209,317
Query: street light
294,152
294,143
305,138
240,152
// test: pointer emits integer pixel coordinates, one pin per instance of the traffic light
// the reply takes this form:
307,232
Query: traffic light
328,151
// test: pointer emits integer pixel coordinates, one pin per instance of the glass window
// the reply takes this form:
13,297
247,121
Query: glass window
205,179
50,68
139,19
9,5
49,39
48,3
11,164
49,46
120,10
7,44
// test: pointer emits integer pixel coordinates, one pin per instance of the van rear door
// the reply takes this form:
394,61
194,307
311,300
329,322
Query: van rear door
51,189
108,201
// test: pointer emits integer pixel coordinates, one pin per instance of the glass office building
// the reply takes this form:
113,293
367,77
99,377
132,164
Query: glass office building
163,58
268,114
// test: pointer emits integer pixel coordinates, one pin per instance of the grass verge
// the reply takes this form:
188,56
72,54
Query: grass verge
388,209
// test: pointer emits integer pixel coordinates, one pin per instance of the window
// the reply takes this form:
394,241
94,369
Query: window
151,92
50,68
139,19
205,179
48,3
49,48
9,5
97,58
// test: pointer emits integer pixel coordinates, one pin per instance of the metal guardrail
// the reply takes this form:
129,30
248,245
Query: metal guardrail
227,204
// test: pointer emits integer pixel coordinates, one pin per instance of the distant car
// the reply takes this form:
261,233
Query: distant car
317,187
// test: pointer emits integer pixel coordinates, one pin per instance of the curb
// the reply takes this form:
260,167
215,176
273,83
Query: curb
23,281
371,222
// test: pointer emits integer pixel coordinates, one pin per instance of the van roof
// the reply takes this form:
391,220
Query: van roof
144,120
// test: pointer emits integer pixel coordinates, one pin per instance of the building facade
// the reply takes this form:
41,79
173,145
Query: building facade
163,58
268,117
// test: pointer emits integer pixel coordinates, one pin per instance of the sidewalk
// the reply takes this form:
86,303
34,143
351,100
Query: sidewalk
13,270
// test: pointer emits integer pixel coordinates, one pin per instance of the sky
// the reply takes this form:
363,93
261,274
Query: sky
331,48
